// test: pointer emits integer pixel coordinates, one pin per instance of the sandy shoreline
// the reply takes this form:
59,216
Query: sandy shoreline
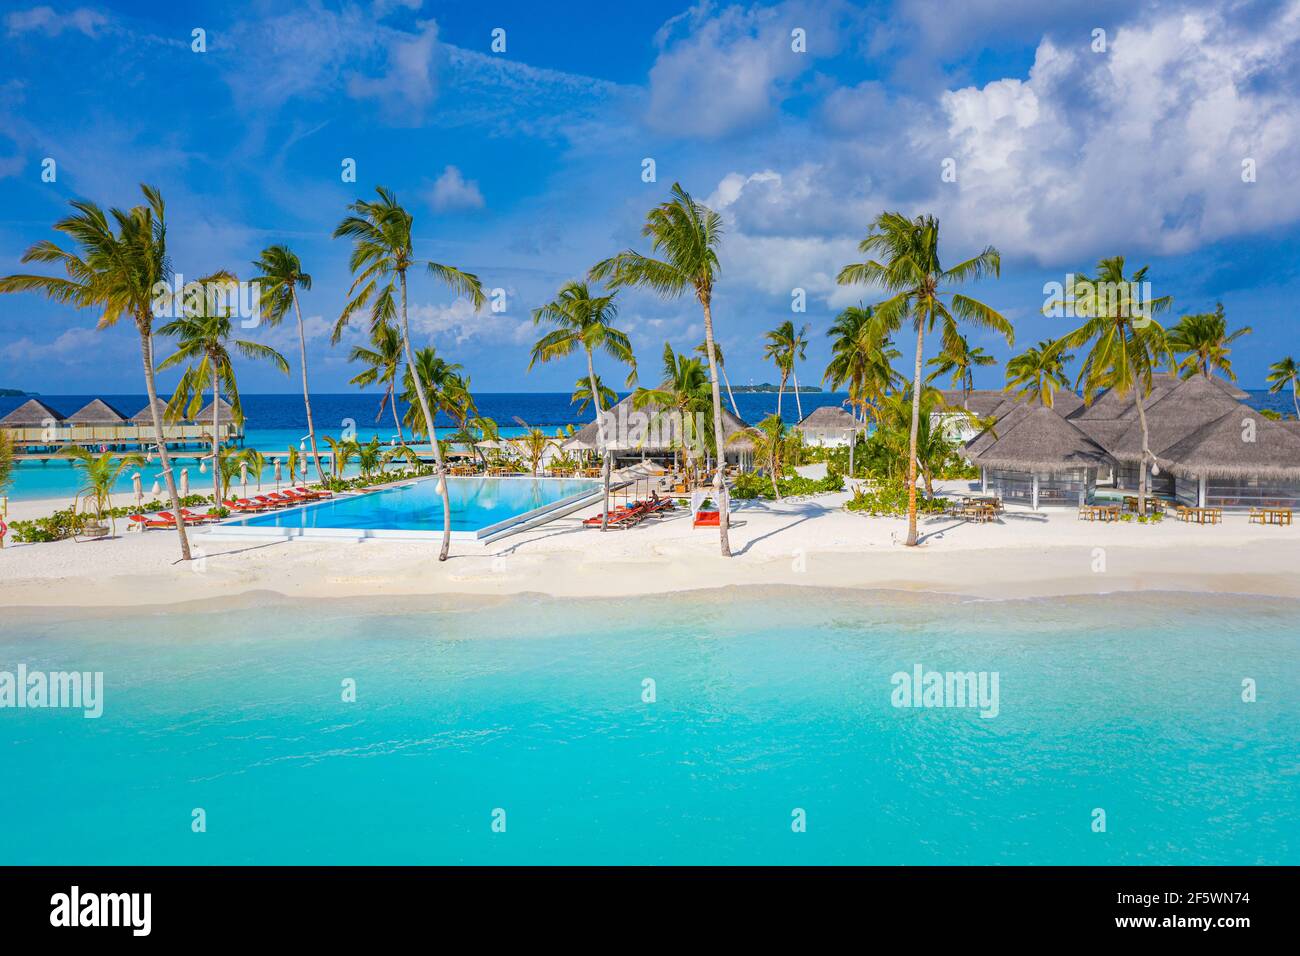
808,543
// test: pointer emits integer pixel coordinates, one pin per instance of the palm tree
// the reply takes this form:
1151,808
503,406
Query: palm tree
912,272
6,463
443,386
960,360
256,464
383,361
1283,373
703,350
1127,344
686,233
279,277
382,254
785,347
1039,371
583,321
862,357
1205,342
291,460
683,392
203,342
370,457
582,396
102,472
120,272
342,451
774,446
533,445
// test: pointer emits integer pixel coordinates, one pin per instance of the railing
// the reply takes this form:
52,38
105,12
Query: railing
28,435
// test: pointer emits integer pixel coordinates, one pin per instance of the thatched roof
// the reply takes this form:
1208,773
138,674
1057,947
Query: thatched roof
31,412
1004,424
97,412
224,414
1112,404
143,416
1105,432
1220,449
1175,414
828,416
631,417
1040,440
980,401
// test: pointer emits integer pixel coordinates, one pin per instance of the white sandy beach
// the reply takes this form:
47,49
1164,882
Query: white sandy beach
811,542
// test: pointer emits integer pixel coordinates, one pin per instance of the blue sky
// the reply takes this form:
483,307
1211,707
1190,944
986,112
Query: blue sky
525,166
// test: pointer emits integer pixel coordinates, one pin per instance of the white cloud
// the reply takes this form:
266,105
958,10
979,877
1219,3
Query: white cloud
452,191
46,21
459,323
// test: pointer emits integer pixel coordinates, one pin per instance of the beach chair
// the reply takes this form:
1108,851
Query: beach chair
247,507
619,511
194,518
707,519
141,522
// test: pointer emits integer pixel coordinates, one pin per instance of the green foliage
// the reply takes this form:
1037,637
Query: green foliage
66,523
751,485
889,498
364,481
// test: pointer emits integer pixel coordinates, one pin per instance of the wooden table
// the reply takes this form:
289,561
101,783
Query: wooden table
1100,512
1278,516
1202,515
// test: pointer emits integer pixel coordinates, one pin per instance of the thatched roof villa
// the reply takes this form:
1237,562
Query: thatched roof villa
1036,456
652,433
829,426
32,413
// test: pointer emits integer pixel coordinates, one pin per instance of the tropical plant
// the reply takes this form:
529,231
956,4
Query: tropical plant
775,447
959,360
533,445
342,451
1205,343
862,357
382,253
785,347
119,268
101,473
382,360
702,350
1126,344
370,457
6,460
686,234
443,386
203,335
291,460
606,396
256,464
1282,373
1038,372
279,278
911,270
681,397
585,322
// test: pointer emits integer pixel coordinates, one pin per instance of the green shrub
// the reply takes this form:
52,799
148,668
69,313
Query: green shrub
890,498
750,485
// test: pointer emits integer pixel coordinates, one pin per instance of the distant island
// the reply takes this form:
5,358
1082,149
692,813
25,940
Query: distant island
11,392
769,387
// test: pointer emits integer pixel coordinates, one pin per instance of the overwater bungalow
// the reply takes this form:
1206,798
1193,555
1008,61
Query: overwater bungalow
1034,456
37,429
830,426
655,434
32,413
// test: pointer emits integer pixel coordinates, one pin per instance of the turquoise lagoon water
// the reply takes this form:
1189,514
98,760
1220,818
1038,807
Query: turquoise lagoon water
476,503
765,702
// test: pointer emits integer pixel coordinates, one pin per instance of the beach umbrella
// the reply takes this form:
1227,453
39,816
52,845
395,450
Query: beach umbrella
156,490
302,445
277,474
203,466
139,489
303,469
243,479
185,482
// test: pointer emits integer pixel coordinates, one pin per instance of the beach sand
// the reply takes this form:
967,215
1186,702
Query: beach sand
810,542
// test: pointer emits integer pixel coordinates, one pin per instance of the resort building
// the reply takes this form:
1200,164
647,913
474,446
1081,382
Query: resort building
1239,460
38,429
830,426
1034,456
654,433
985,403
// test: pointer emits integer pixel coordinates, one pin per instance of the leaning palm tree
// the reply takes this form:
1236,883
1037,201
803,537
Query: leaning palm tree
1038,372
1204,342
960,361
584,322
1283,373
784,347
279,278
682,394
102,472
686,234
582,396
121,268
382,254
703,350
912,272
203,345
382,362
774,447
1127,344
444,388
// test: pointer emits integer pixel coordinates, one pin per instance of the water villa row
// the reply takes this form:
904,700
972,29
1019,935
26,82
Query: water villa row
37,429
1211,450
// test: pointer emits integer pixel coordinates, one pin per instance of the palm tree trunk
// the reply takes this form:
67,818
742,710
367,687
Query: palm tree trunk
1295,398
428,424
727,382
916,424
392,401
780,391
798,403
600,439
853,438
306,392
216,441
1146,451
146,352
724,508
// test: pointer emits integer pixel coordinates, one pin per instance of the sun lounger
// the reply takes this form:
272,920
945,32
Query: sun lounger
142,522
194,518
707,519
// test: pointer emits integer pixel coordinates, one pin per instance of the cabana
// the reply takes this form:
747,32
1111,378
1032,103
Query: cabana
653,433
1033,455
829,427
32,413
1240,460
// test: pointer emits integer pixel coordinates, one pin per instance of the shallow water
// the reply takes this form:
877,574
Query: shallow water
766,701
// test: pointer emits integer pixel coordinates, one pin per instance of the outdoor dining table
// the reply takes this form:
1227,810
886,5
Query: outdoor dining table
1203,515
1281,516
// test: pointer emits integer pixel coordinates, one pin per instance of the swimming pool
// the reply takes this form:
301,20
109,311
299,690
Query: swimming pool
680,729
480,507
